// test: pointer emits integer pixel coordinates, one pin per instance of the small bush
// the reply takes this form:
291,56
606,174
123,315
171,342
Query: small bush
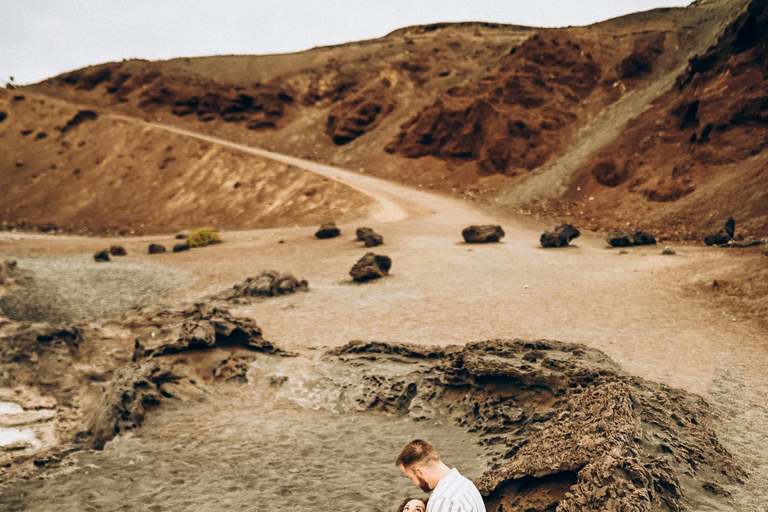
202,237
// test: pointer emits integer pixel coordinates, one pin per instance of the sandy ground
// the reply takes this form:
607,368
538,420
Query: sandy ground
441,291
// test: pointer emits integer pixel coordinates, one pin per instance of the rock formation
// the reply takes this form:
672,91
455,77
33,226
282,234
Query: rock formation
371,266
369,236
569,429
328,230
722,235
269,283
629,238
561,236
482,234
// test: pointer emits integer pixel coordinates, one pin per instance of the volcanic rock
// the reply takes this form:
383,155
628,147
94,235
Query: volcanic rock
571,431
269,283
371,238
561,236
180,247
629,238
371,266
328,230
201,327
723,235
117,250
101,256
643,238
156,248
482,234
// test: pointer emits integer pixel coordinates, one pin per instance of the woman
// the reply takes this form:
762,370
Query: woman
413,505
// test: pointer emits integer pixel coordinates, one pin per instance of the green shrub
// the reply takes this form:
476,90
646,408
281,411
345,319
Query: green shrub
202,237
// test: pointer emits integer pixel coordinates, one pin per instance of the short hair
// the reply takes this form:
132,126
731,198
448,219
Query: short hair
416,451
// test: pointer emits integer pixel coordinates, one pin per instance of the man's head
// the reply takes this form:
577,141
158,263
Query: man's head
419,461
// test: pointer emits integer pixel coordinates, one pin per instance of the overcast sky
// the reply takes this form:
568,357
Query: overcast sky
42,38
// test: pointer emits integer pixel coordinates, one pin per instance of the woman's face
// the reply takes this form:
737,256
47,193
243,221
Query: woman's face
415,506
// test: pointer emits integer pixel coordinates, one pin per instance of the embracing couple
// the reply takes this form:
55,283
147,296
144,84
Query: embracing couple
451,492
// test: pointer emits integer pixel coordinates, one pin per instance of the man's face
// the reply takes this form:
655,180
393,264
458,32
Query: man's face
416,476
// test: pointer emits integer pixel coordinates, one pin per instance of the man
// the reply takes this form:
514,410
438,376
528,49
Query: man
451,492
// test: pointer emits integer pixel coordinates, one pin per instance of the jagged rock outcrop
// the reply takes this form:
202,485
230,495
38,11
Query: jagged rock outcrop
200,327
482,234
570,430
371,266
561,236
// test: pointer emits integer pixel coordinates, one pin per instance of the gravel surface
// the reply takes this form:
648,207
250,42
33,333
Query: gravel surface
65,289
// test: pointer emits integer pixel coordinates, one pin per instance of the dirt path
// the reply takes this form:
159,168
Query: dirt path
443,291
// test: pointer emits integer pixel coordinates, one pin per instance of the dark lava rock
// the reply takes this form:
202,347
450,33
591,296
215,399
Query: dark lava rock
371,266
180,247
3,116
629,238
561,236
181,236
568,428
101,256
117,250
361,233
373,240
200,327
269,283
328,230
643,238
370,237
156,248
482,234
723,235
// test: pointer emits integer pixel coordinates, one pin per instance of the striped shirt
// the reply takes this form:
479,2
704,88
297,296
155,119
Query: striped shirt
455,493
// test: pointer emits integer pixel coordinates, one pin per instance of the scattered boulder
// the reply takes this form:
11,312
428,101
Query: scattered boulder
117,250
561,236
667,251
269,283
643,238
371,266
482,234
181,236
370,237
723,235
181,247
629,238
328,230
101,256
156,248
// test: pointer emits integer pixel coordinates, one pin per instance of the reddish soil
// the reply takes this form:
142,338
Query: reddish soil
80,171
696,156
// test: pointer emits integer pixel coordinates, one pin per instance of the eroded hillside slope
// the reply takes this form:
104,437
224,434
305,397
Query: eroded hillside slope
697,155
78,170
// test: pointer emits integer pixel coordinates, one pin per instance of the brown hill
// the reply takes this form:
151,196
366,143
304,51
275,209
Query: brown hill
79,170
511,115
696,156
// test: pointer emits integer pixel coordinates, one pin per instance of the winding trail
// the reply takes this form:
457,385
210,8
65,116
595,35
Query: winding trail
636,306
